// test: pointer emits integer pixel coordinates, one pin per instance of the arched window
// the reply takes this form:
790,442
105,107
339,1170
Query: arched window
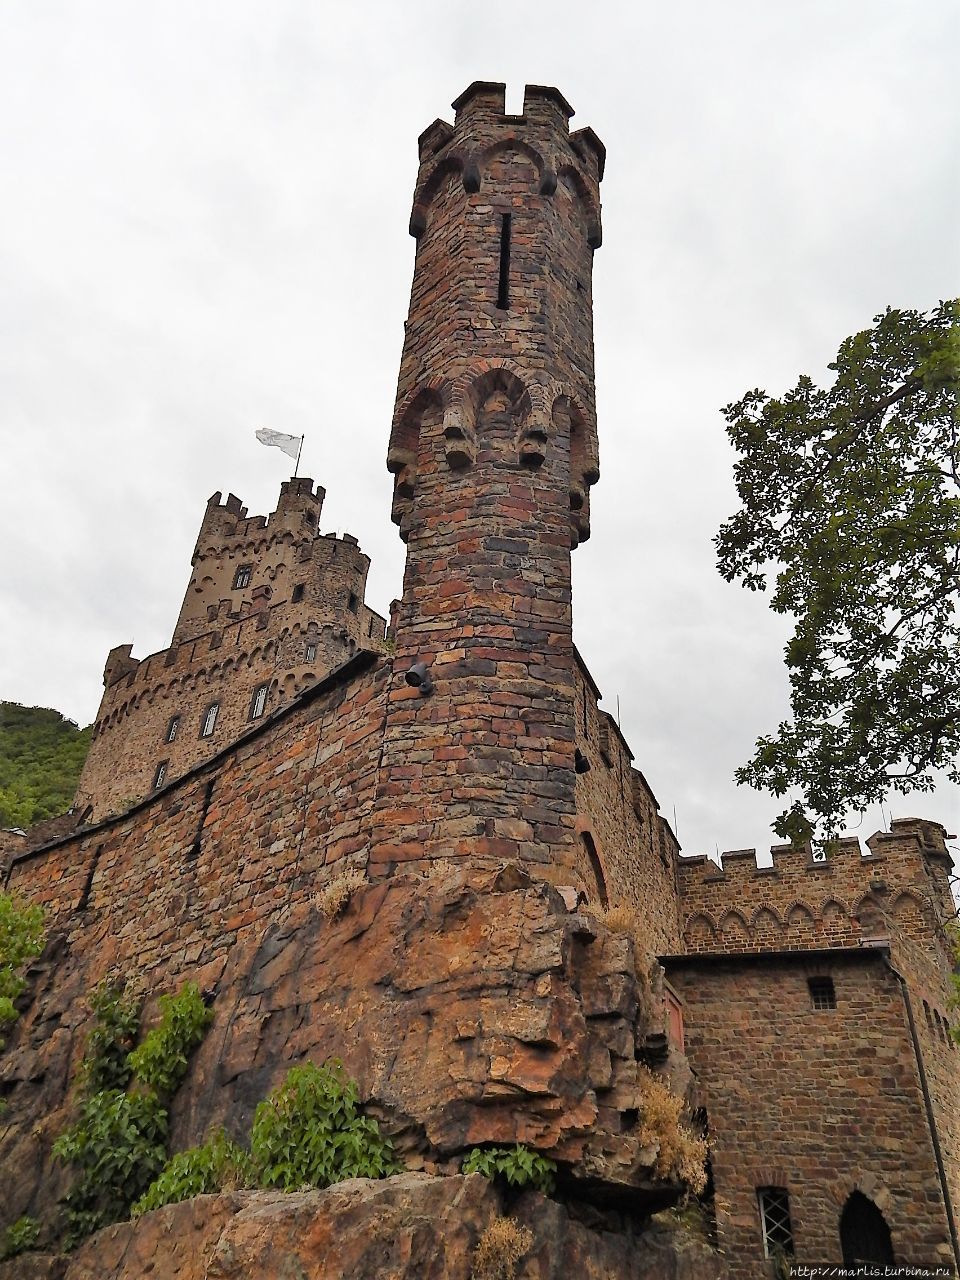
258,702
864,1234
209,722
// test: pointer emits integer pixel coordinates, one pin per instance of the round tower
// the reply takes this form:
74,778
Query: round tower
493,451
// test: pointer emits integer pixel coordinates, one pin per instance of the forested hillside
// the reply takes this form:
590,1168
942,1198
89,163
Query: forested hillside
41,755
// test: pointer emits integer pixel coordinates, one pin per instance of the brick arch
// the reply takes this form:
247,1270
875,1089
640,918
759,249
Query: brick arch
908,904
513,144
770,1175
839,1191
700,923
766,918
452,162
474,386
471,393
424,407
733,923
588,204
832,911
798,910
868,911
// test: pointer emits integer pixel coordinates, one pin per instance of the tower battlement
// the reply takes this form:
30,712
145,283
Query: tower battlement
852,895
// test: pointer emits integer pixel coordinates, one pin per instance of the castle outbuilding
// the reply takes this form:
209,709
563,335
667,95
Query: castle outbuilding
524,948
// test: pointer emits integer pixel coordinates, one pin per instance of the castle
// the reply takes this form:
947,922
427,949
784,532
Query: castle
459,763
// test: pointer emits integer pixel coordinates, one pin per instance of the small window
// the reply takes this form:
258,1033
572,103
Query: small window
352,603
209,722
241,578
297,593
311,653
503,283
160,776
173,728
822,994
774,1204
258,702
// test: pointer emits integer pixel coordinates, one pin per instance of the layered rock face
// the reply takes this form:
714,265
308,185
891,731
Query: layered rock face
472,1008
412,1227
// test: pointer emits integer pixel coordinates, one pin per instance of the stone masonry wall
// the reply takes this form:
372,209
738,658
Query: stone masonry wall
821,1103
471,1004
620,824
897,893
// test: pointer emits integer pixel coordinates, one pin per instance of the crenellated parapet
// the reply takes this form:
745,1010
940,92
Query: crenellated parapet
897,886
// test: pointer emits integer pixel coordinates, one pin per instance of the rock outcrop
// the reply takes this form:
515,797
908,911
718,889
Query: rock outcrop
472,1007
411,1227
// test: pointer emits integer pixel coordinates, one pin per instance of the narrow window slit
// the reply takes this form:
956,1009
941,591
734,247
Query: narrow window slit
503,291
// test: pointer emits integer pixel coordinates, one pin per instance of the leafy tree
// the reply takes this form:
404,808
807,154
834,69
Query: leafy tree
41,755
851,511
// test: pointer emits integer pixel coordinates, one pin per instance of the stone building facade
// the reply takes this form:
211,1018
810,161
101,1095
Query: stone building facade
481,986
818,1013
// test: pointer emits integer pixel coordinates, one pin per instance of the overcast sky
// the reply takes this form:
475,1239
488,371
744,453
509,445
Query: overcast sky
203,230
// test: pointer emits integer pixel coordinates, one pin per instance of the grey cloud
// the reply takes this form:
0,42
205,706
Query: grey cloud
204,231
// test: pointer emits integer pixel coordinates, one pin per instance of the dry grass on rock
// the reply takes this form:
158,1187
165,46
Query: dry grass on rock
681,1154
334,898
499,1249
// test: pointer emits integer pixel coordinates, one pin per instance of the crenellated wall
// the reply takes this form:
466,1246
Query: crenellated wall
901,882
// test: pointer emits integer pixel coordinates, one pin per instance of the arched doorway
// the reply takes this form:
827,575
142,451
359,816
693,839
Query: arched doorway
864,1234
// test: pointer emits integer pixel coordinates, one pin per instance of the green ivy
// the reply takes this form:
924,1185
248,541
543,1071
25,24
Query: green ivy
21,938
518,1165
117,1144
116,1018
19,1237
217,1164
310,1132
160,1062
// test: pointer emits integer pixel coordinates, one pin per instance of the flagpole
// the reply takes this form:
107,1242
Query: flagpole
299,451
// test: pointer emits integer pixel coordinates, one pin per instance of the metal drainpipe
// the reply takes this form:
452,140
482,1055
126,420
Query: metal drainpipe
928,1107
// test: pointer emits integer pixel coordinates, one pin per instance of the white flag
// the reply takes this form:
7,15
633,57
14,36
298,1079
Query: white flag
289,444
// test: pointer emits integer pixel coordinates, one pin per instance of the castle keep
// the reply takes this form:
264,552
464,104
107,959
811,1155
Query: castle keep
481,985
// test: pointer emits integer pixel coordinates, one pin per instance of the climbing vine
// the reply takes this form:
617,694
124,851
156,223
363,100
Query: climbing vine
309,1132
117,1144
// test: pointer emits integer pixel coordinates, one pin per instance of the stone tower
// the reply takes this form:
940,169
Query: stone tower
494,450
271,607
